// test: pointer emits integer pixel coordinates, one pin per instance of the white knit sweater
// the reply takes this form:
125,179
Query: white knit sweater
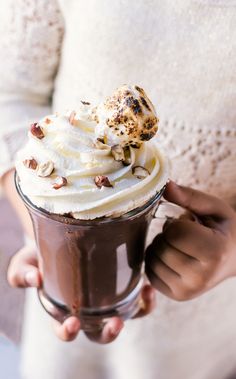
183,53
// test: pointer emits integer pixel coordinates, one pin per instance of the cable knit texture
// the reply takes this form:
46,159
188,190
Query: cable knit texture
183,53
30,40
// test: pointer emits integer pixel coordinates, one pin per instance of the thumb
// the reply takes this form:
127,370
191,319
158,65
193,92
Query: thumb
196,201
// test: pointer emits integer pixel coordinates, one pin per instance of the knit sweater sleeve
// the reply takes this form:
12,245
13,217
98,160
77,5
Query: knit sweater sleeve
31,34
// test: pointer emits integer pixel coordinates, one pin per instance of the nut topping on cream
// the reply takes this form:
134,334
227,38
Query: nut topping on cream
102,181
84,102
45,169
118,153
140,172
31,163
72,117
47,120
100,144
60,182
36,130
127,161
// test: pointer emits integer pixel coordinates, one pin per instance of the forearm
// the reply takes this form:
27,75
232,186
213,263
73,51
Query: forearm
16,202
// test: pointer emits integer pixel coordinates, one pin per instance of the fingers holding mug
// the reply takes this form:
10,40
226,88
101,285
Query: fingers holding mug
23,269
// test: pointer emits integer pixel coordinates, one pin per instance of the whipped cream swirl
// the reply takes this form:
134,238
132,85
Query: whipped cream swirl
61,167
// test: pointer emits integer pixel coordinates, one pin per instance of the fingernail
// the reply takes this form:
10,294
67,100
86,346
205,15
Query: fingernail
31,278
114,332
73,326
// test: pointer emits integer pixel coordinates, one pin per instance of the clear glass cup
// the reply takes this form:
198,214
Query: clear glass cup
92,269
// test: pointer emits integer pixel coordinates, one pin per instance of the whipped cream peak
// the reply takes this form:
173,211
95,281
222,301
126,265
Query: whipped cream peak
84,112
127,117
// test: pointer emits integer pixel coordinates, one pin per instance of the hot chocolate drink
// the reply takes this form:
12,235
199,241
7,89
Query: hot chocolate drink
91,180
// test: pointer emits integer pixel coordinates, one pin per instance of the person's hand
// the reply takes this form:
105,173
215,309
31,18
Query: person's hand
193,254
23,272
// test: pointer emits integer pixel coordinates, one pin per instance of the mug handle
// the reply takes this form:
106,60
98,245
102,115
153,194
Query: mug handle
167,211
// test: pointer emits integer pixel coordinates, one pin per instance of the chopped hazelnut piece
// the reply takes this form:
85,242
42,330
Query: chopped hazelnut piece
36,130
45,169
48,121
61,181
118,153
102,181
94,116
101,140
127,160
72,117
100,144
140,172
84,102
30,163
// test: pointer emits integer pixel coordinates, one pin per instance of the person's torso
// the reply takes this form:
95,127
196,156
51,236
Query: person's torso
183,54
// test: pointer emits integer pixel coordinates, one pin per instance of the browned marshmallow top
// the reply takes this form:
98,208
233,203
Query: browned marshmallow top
127,117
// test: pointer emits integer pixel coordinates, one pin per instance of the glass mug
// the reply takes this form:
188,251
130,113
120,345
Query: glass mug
92,269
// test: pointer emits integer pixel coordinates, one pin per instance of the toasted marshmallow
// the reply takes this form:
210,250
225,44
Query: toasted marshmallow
126,118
